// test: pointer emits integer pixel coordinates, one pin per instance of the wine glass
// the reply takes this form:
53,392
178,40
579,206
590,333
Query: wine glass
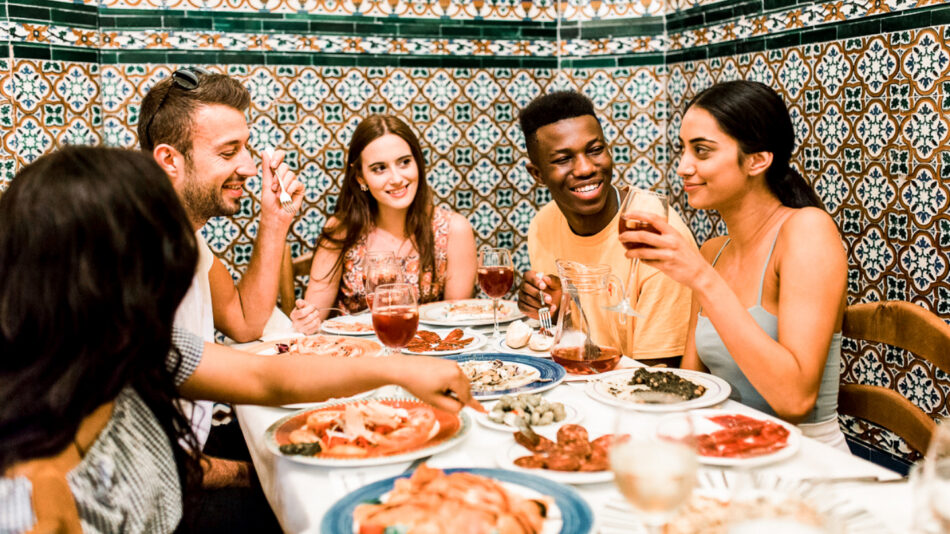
496,274
935,488
654,463
380,267
646,201
395,315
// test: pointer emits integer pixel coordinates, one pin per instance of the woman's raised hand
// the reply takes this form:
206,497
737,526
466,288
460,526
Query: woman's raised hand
667,250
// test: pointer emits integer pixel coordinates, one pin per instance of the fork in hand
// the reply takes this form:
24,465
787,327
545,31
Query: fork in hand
286,202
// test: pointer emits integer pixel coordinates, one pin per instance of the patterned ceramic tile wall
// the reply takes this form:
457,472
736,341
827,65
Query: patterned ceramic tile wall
867,80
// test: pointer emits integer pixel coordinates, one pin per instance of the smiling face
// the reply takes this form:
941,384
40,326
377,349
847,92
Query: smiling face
572,159
715,172
389,170
219,164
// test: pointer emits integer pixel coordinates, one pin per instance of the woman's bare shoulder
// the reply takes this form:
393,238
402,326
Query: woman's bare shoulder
712,246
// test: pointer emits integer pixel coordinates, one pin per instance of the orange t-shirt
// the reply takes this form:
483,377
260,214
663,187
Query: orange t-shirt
664,303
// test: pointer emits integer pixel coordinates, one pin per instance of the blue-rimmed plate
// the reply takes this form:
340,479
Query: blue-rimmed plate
569,515
536,374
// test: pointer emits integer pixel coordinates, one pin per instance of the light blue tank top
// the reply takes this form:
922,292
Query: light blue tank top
714,355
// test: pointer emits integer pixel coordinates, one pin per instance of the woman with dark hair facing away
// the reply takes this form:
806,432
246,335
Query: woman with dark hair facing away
386,205
769,297
96,254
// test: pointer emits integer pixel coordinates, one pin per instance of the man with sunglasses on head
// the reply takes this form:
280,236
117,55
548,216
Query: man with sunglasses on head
193,125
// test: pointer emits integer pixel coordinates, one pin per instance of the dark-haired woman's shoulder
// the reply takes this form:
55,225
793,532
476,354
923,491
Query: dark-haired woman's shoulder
334,227
808,222
712,246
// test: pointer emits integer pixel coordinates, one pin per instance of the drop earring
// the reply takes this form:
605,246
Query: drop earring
363,187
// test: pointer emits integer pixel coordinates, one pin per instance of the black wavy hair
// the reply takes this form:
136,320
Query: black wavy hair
548,109
755,116
96,253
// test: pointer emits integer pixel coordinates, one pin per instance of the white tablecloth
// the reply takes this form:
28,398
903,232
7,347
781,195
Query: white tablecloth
301,494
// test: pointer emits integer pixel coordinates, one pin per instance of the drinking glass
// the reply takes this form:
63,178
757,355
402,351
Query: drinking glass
380,268
654,463
936,476
395,315
646,201
496,274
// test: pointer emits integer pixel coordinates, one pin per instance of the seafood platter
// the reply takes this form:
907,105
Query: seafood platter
467,312
510,411
349,325
573,458
493,375
429,343
319,344
366,432
659,390
461,500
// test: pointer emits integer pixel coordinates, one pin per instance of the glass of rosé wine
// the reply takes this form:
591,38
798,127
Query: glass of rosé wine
645,201
496,274
395,315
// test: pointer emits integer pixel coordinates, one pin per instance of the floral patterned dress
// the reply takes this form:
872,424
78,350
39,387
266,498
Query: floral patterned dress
352,295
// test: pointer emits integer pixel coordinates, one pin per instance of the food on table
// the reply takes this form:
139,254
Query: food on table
742,436
529,407
654,386
431,501
667,382
540,342
518,334
426,341
470,308
342,326
363,429
496,375
707,515
329,346
572,451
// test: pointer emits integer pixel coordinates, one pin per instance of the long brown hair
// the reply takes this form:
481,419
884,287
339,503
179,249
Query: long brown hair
357,210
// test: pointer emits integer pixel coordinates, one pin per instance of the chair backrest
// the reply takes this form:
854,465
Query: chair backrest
290,269
907,326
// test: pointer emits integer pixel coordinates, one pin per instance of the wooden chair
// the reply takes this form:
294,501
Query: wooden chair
907,326
290,269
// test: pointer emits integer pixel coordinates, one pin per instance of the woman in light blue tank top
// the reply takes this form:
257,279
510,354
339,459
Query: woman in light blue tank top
768,298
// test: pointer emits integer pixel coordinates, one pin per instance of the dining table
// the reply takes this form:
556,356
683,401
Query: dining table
301,495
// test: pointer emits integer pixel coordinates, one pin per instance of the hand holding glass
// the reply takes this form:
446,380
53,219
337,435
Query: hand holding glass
645,201
395,315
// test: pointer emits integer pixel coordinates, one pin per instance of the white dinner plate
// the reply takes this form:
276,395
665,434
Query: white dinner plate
572,415
467,312
349,325
478,342
717,390
502,346
456,427
506,460
703,425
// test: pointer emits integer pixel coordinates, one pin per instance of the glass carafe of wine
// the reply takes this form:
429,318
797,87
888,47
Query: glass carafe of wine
589,337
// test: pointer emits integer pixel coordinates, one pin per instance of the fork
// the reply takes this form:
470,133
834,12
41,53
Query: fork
286,202
544,316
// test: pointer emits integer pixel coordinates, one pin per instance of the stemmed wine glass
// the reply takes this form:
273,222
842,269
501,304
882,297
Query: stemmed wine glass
380,267
654,463
395,315
496,274
935,486
638,200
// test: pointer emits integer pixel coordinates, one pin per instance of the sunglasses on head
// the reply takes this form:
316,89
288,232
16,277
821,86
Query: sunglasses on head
185,79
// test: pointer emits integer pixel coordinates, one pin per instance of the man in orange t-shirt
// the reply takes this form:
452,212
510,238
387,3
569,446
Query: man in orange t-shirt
569,155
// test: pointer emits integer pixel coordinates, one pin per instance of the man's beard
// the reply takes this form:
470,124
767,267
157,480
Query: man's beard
204,201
